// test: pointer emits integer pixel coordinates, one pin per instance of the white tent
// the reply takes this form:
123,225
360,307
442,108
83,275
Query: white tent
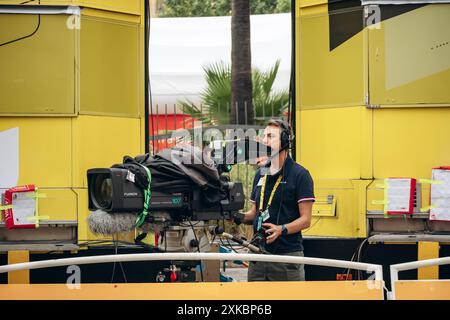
179,47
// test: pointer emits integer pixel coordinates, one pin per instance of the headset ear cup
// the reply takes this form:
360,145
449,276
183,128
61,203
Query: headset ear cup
285,136
284,140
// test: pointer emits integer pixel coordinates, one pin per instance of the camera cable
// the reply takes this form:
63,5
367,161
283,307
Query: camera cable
198,247
147,197
29,35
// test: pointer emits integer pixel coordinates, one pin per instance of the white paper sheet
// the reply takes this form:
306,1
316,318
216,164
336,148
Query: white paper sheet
440,195
398,194
24,207
9,159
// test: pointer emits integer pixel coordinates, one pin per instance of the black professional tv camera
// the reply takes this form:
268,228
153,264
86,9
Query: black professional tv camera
110,191
193,189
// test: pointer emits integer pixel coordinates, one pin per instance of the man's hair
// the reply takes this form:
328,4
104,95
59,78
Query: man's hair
283,125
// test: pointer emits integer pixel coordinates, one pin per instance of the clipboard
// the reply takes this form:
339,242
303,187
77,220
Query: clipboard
20,207
440,194
399,195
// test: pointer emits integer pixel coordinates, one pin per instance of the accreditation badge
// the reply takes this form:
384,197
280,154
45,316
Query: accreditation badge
260,182
265,215
259,223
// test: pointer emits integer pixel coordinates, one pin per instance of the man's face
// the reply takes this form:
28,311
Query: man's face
272,137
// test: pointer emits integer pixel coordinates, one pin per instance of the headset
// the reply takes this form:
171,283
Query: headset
286,136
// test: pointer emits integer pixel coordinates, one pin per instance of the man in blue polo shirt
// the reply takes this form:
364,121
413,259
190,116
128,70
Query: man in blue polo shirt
282,199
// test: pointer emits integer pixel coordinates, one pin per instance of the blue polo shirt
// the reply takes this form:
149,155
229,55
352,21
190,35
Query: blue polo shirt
296,186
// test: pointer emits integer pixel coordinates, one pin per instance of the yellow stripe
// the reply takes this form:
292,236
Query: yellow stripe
22,276
429,181
426,209
38,218
427,250
271,290
37,195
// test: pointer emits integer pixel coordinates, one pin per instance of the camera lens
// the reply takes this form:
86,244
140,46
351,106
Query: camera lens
102,195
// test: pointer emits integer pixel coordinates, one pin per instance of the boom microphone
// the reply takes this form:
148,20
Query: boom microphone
108,223
104,223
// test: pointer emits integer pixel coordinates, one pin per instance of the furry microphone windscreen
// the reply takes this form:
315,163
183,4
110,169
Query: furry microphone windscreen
104,223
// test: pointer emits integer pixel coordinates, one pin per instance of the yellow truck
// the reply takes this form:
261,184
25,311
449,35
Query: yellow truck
372,102
73,97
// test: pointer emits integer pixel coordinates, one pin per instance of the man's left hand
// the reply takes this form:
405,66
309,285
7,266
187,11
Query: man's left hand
273,230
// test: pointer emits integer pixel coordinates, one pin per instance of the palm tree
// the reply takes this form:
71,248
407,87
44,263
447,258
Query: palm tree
216,98
266,102
241,80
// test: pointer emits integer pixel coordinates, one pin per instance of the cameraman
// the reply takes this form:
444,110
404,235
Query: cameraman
282,200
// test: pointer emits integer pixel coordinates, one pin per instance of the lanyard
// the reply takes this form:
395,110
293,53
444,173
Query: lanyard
263,188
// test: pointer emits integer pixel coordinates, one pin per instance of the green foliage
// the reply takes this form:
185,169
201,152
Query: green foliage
207,8
195,8
262,6
283,6
265,101
216,98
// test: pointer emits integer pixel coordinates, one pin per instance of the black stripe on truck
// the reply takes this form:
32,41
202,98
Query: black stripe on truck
346,18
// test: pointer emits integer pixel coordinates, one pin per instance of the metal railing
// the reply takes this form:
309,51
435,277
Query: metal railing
396,268
376,269
165,120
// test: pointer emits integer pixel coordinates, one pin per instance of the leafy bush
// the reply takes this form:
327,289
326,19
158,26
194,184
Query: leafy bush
216,98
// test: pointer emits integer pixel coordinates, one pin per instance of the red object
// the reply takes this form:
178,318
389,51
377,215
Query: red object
344,277
442,168
8,214
157,123
173,276
162,124
156,239
411,198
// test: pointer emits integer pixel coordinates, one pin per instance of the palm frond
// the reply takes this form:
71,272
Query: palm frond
269,78
216,97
